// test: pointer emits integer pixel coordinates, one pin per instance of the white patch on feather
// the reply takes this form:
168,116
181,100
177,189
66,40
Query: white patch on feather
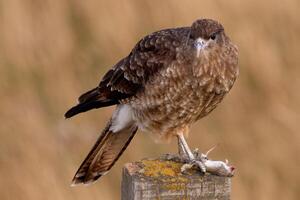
122,117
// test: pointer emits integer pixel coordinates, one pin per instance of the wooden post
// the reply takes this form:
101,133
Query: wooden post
153,179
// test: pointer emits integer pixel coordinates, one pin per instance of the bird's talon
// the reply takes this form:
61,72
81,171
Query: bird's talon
185,167
194,163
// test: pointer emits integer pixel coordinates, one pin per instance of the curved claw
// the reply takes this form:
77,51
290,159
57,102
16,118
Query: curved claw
194,163
185,167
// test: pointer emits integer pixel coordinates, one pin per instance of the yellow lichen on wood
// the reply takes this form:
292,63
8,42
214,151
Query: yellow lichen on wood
165,171
161,178
157,168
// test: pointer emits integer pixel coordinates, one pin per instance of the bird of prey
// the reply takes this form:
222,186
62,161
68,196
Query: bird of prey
169,80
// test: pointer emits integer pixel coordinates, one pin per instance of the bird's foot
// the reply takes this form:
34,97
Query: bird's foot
204,164
199,164
201,161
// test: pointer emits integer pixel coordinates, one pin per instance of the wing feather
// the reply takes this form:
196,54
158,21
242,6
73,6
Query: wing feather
129,75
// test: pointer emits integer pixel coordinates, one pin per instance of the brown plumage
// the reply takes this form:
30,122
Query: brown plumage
170,79
108,148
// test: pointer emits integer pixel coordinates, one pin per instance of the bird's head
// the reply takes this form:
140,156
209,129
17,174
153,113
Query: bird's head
206,35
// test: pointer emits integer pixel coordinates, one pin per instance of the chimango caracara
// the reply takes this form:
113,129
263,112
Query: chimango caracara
169,80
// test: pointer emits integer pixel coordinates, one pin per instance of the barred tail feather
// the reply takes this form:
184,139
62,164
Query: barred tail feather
108,148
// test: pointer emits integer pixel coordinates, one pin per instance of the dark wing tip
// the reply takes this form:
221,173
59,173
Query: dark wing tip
86,101
86,106
90,95
71,112
82,107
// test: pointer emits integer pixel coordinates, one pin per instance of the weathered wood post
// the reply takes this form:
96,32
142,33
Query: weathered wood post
153,179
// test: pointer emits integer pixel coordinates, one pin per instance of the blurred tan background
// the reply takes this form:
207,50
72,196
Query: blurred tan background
53,50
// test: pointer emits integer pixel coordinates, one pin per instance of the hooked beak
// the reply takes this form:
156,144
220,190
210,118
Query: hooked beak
200,44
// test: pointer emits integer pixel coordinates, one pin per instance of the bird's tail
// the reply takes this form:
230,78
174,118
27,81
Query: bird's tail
110,145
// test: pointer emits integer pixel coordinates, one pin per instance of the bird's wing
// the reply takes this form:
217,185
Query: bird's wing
129,75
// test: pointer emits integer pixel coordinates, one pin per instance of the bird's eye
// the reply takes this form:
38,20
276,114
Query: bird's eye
213,36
